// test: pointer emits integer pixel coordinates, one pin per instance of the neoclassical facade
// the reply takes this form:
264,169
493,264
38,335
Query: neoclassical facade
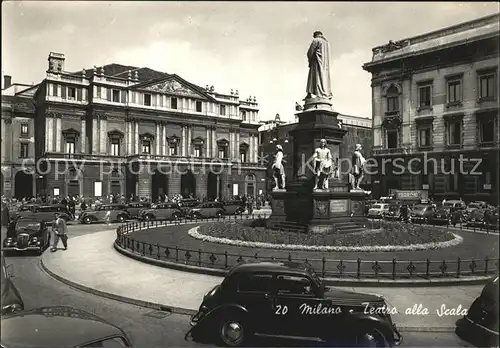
435,105
136,131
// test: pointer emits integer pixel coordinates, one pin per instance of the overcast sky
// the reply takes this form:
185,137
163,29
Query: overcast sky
257,48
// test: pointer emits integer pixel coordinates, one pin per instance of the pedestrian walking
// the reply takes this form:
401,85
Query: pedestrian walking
59,230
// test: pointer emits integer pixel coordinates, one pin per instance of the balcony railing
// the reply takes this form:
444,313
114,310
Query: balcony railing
393,151
187,159
83,156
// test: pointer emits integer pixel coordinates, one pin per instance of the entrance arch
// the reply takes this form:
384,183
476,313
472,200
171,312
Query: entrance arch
159,186
250,185
188,184
214,187
73,182
23,185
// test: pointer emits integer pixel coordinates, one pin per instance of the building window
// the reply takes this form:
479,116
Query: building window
24,129
244,116
146,147
24,150
487,86
454,92
173,149
487,130
198,106
424,96
198,151
98,90
173,103
116,96
392,100
424,136
392,139
54,90
453,182
115,147
243,155
222,152
454,132
223,110
70,145
147,99
71,93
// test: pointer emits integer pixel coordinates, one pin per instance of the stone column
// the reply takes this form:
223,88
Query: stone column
136,137
83,134
237,146
95,136
164,139
49,135
208,152
103,136
250,148
189,137
3,142
183,140
59,147
158,139
214,143
255,148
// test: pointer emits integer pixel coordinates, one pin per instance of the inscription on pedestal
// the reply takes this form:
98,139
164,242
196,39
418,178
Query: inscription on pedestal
338,205
278,206
356,208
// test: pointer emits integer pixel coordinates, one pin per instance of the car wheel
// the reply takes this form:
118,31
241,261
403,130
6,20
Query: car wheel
87,220
121,218
232,332
175,216
148,218
219,214
371,338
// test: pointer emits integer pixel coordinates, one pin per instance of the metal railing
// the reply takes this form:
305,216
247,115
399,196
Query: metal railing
327,268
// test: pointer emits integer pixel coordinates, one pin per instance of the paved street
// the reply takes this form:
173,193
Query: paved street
145,327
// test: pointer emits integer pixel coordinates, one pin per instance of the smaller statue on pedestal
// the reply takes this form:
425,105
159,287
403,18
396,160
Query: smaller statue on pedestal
323,166
358,164
278,169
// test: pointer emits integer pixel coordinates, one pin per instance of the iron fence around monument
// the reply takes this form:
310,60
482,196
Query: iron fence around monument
359,268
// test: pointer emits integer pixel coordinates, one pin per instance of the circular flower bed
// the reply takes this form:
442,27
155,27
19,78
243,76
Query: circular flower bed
390,237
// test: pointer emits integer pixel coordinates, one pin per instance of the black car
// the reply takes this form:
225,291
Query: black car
26,235
60,327
289,299
480,326
441,216
11,299
394,213
234,207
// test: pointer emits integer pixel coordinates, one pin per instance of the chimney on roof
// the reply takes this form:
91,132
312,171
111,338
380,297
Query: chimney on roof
7,81
136,76
56,62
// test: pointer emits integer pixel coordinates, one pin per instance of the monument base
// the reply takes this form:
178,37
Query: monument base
321,211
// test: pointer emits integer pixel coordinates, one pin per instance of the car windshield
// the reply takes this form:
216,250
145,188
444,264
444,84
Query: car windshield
376,206
447,204
474,205
22,226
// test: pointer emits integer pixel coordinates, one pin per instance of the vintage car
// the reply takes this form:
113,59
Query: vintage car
162,211
187,204
25,234
45,212
60,327
11,299
393,213
105,213
205,210
421,213
234,207
378,210
480,326
440,216
134,209
455,205
289,299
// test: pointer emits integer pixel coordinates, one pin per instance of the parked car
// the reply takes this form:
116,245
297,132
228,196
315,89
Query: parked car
187,204
105,213
393,213
11,299
280,298
455,204
134,209
208,209
60,327
45,212
234,207
421,213
378,210
162,211
476,218
25,234
480,326
441,216
476,205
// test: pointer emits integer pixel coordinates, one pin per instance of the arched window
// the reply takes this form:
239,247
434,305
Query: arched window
392,98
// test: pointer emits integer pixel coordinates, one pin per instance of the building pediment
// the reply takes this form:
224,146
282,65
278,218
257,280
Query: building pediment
115,133
70,132
146,136
174,85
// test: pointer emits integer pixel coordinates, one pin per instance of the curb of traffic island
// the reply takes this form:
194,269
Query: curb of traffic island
478,280
140,303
